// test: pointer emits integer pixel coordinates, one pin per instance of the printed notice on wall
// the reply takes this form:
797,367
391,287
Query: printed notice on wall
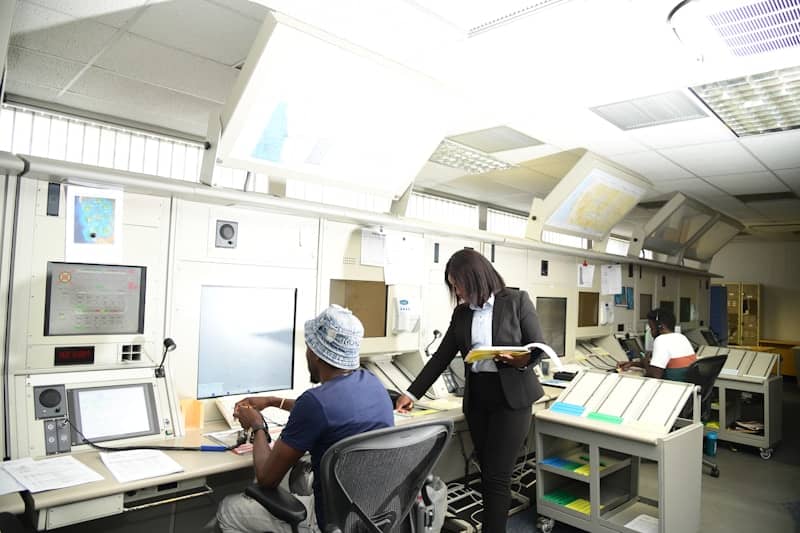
94,225
610,279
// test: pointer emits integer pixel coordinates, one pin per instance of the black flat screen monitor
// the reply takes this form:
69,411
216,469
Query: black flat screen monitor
112,412
552,312
632,347
91,299
246,340
709,337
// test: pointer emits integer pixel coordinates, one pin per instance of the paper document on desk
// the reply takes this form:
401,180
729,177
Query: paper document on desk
644,524
49,474
130,465
7,483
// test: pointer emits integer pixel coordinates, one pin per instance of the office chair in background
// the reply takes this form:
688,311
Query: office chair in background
703,372
370,481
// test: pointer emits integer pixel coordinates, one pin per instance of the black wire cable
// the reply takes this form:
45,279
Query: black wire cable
144,447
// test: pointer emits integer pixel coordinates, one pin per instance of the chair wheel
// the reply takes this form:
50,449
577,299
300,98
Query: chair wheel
546,525
715,472
766,453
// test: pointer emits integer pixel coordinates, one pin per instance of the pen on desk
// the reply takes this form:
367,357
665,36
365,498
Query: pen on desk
213,448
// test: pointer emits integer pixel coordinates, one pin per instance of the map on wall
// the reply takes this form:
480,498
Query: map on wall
94,225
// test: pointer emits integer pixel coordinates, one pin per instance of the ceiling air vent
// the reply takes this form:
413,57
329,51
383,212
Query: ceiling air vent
498,139
759,27
649,111
510,16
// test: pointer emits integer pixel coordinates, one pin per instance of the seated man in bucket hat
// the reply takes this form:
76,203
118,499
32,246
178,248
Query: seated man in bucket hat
350,400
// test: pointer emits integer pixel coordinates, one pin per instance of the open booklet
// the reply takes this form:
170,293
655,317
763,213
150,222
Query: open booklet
489,352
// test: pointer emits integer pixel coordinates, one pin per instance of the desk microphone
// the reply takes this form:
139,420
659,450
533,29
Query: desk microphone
169,345
436,335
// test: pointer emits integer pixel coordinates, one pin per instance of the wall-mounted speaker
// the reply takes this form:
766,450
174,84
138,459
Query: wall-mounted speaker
50,401
227,233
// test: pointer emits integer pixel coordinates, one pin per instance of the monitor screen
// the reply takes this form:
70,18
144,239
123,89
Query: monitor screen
710,338
685,309
246,340
112,412
89,299
632,347
553,319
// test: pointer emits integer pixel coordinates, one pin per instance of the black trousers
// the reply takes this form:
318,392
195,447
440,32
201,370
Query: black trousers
497,432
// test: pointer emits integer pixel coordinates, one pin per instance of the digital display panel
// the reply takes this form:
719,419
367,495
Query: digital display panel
246,340
91,299
112,412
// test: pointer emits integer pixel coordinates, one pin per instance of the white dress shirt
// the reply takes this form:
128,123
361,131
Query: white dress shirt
482,333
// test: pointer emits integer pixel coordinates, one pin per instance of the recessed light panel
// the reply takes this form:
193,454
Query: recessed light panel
455,155
648,111
760,103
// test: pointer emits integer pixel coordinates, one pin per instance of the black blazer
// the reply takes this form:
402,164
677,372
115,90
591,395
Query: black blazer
514,323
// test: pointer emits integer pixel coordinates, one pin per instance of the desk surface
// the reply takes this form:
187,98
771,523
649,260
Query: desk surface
195,464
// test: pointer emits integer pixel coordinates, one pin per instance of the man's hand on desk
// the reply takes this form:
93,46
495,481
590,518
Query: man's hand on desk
403,403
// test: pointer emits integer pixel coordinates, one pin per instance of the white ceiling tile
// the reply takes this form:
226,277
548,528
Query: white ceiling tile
776,150
199,27
40,69
170,68
747,183
111,12
790,176
44,30
714,159
692,187
245,7
133,99
652,166
778,210
700,131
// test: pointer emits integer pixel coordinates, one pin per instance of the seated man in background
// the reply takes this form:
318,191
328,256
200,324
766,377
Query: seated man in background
672,352
350,400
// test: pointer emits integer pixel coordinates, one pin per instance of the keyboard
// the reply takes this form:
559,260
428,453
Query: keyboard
564,376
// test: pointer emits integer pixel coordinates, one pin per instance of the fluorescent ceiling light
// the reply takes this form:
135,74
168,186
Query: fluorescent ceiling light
648,111
310,106
455,155
759,103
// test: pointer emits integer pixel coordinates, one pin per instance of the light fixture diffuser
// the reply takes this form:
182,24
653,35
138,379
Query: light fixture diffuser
760,103
313,107
455,155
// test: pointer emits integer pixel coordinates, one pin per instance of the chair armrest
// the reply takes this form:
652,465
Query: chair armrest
280,502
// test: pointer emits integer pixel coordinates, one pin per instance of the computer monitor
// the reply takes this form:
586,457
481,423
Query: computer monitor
552,312
112,412
710,338
246,340
631,347
91,299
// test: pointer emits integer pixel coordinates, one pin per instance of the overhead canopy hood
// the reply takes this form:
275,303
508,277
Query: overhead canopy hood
311,106
593,196
685,228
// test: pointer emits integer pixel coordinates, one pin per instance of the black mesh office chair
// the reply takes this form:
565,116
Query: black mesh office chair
704,372
370,481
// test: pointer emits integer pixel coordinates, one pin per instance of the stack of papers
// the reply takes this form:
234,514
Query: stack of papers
49,474
131,465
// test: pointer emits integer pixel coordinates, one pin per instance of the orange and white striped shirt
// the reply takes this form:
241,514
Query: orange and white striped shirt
674,353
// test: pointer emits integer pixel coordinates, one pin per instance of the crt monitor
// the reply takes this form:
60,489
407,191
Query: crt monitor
552,314
246,340
112,412
93,299
631,347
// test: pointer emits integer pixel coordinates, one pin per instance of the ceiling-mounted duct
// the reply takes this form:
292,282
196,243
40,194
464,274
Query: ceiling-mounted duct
648,111
589,200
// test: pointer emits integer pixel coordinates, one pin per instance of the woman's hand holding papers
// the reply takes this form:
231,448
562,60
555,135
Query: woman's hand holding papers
515,360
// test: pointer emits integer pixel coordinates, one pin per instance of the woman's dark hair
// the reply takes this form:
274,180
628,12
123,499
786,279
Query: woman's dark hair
474,274
663,317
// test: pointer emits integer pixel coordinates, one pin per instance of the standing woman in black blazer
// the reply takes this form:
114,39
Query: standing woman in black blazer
499,393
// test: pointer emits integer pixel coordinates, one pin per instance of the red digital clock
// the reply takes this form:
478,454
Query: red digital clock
74,355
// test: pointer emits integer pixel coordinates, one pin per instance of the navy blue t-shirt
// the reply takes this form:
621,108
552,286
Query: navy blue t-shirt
339,408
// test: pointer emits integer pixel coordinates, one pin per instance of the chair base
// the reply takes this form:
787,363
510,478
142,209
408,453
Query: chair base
713,466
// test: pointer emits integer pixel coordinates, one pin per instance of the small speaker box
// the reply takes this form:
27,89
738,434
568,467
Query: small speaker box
50,401
227,233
